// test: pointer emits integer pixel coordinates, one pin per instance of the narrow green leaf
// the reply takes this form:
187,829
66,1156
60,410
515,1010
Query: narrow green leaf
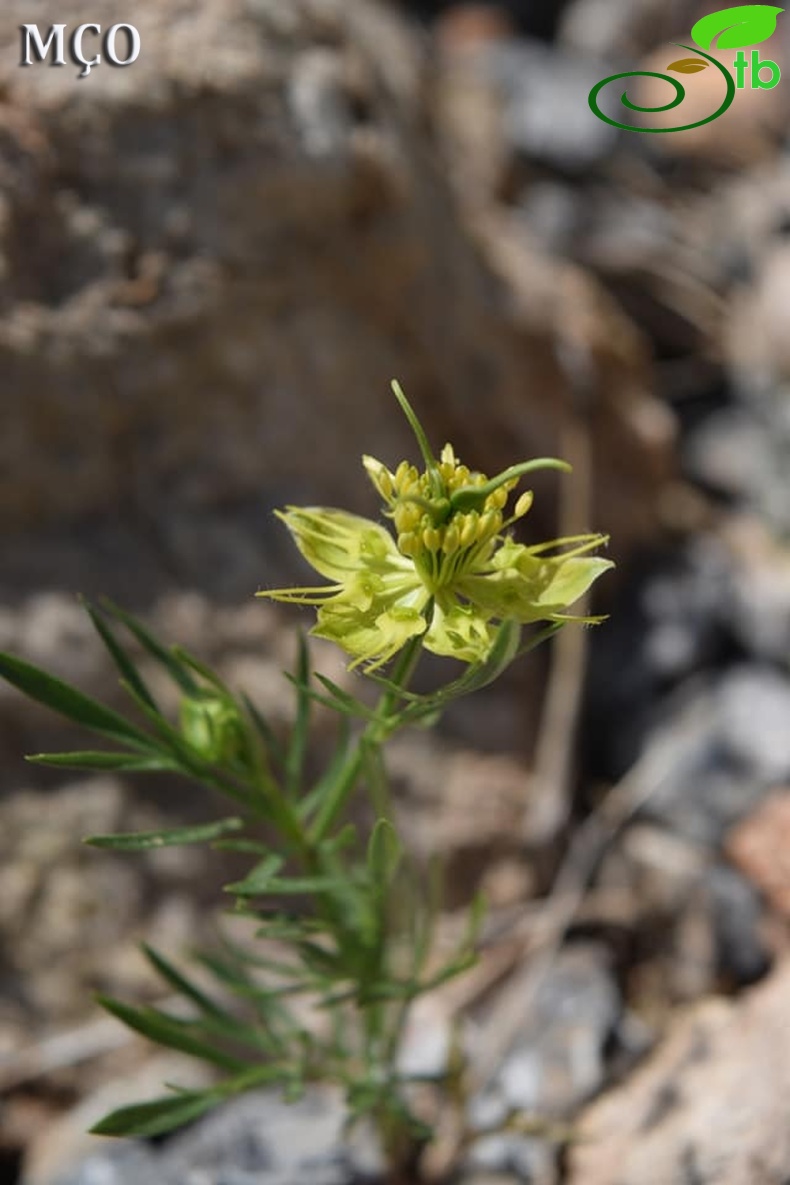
417,429
284,928
259,879
179,674
275,1016
399,693
345,699
321,962
502,654
345,838
297,749
171,737
251,846
241,957
121,659
307,884
69,702
480,675
170,1032
330,775
326,701
200,668
270,741
257,885
136,841
384,853
188,760
426,915
128,762
182,984
161,1115
474,924
454,968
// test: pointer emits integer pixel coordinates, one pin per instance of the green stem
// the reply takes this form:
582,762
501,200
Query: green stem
376,733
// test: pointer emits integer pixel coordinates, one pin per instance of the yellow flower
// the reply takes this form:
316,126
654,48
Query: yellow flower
451,574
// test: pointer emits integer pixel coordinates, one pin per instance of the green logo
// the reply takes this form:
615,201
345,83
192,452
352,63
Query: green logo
730,28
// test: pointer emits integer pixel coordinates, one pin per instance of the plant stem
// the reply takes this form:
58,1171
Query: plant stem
380,728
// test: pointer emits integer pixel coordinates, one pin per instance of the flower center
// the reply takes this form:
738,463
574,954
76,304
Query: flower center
443,542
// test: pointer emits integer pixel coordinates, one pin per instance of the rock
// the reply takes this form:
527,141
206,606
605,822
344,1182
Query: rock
64,1153
544,105
758,845
731,745
733,453
557,1062
669,622
191,327
536,18
758,328
742,956
760,607
710,1103
690,922
606,29
253,1140
467,25
560,1060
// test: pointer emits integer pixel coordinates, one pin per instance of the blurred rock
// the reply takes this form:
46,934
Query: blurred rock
466,25
535,18
726,743
709,1105
557,1063
609,29
690,922
760,846
544,105
560,1059
189,327
63,1151
742,954
759,608
760,324
254,1140
668,623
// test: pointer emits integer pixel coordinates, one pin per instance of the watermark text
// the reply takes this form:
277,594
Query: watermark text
120,46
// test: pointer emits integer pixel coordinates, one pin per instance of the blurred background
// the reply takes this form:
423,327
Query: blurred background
212,263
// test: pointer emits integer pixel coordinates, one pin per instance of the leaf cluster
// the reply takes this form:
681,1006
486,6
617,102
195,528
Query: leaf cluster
350,912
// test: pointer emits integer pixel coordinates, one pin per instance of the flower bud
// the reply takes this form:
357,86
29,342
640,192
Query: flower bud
211,725
452,540
524,504
490,524
469,528
432,538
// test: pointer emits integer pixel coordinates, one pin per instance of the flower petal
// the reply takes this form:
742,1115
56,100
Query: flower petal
379,474
460,631
338,544
527,587
372,633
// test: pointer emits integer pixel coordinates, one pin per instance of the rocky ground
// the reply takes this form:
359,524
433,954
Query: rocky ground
213,263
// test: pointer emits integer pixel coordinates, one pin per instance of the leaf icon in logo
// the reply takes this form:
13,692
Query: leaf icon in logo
688,65
747,24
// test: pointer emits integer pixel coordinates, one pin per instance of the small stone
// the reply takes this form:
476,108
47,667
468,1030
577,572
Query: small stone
760,846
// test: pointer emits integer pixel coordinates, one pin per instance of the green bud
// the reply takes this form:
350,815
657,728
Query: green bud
212,727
